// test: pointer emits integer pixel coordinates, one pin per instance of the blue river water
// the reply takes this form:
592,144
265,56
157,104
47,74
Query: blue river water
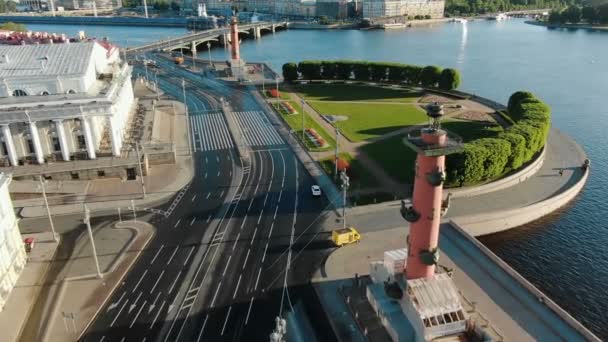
565,255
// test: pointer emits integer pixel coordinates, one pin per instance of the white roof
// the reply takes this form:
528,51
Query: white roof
434,296
396,254
58,59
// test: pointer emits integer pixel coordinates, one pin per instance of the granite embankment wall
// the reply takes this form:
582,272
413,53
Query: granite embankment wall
112,21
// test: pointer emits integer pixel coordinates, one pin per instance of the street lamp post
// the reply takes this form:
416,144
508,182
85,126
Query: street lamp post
277,100
337,153
87,221
156,85
263,79
141,173
187,116
48,210
303,141
209,50
345,185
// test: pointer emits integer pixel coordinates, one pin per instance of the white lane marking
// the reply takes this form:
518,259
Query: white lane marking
123,339
193,198
102,338
264,255
172,255
157,253
253,236
270,232
237,287
134,303
137,315
208,194
209,218
227,263
261,213
226,321
236,240
115,304
249,311
219,173
188,257
246,258
200,334
118,314
206,160
153,305
140,279
177,223
257,280
175,281
157,314
192,222
217,159
205,174
275,213
157,280
216,291
222,194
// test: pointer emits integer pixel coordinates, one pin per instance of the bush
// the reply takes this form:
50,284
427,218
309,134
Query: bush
429,77
516,98
427,16
449,79
329,70
290,72
411,74
395,72
532,136
378,71
344,69
473,164
361,71
518,149
497,158
310,70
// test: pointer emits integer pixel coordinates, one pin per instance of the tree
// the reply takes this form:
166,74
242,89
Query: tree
344,69
10,26
161,5
515,99
310,70
290,71
378,71
572,14
329,69
361,71
429,77
602,13
589,13
555,17
11,6
449,79
175,6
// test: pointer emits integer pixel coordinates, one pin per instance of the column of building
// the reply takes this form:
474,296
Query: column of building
10,146
63,141
88,137
36,142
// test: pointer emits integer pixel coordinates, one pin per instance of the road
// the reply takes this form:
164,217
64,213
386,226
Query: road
217,266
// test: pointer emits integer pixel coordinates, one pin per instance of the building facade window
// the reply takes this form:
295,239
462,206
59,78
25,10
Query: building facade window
81,142
44,93
56,145
71,91
19,92
30,146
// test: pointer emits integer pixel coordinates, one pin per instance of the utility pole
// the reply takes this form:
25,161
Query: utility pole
141,173
187,116
263,79
156,86
146,8
209,50
337,153
303,138
87,221
278,96
119,216
345,185
48,210
134,213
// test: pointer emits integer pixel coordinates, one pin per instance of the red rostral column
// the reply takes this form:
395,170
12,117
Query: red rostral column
234,40
431,145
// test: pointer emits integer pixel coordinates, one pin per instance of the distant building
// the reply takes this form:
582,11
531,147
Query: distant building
62,102
12,251
335,9
411,8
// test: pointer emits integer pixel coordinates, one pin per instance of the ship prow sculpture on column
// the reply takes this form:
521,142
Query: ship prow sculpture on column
237,65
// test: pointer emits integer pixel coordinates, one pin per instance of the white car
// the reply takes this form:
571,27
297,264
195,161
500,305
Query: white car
316,190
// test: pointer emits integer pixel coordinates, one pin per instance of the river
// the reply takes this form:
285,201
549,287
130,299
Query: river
565,255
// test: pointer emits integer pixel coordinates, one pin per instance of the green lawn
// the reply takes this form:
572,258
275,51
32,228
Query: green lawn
354,92
471,130
360,177
368,120
295,122
394,157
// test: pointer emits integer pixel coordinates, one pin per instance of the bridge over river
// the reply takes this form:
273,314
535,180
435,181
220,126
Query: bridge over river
192,41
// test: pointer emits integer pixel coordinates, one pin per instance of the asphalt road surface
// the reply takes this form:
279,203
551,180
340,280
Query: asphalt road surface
217,267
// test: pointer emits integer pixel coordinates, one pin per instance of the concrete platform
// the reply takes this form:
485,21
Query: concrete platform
492,291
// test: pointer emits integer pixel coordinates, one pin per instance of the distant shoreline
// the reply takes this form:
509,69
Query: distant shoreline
568,26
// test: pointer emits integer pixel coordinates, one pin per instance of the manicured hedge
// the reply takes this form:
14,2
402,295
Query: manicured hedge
429,76
290,71
489,158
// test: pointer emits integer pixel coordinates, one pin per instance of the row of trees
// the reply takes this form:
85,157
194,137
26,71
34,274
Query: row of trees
429,76
159,5
489,158
475,7
574,14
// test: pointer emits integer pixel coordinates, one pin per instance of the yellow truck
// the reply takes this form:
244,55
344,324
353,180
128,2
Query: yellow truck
345,236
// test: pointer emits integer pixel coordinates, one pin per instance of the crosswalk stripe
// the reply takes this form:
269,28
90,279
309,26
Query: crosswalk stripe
211,131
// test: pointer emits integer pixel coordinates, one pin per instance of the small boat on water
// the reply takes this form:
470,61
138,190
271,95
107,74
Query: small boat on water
459,20
499,17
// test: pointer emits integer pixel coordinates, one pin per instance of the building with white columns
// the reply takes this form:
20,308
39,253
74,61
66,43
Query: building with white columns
12,251
60,101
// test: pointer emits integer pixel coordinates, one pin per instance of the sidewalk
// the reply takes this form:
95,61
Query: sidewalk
73,294
31,280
